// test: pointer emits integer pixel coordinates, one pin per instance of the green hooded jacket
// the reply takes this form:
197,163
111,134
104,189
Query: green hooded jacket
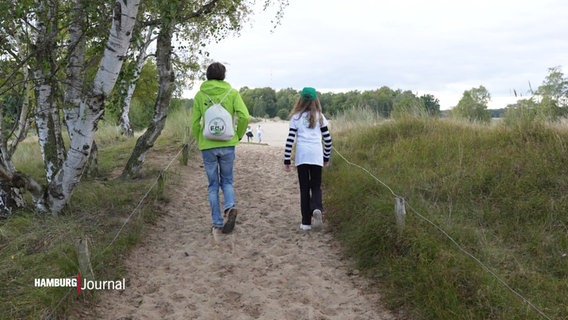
216,89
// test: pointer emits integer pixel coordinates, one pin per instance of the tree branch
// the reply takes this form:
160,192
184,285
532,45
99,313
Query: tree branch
203,10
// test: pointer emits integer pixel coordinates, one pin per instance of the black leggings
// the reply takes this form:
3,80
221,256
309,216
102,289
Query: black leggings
309,176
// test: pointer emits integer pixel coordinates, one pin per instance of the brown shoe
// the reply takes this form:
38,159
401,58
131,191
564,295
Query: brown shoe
232,218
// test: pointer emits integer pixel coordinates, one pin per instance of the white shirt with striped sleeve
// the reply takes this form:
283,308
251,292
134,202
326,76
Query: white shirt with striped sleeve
309,149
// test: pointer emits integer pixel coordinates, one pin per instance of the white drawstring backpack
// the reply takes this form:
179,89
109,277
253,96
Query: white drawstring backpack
218,122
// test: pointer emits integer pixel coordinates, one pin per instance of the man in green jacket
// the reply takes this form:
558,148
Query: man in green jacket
218,156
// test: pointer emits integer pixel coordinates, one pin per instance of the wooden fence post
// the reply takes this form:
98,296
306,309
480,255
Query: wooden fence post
185,154
161,185
400,210
83,256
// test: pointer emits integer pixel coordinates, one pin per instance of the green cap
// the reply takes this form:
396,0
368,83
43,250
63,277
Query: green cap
309,93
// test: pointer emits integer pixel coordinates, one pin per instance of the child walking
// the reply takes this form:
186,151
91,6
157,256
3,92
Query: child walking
249,134
308,127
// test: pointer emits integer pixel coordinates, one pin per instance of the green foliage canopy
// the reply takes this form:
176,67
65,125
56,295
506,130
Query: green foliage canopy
548,103
473,105
266,102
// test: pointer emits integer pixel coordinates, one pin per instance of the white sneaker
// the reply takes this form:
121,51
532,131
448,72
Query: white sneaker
318,219
305,227
217,233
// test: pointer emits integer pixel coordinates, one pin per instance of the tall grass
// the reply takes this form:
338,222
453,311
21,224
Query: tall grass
178,126
355,118
35,245
500,192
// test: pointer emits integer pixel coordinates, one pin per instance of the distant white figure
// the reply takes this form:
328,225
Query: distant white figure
259,133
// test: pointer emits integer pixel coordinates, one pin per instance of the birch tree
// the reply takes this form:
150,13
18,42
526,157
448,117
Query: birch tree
44,67
128,85
168,16
91,107
165,89
552,95
75,80
199,22
15,94
63,83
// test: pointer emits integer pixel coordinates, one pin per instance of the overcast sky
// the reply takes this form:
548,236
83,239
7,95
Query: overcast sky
439,47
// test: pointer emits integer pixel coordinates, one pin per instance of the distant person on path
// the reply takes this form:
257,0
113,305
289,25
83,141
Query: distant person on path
218,156
308,127
259,133
249,134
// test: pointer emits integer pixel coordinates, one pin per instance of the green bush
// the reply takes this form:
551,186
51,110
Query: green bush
283,114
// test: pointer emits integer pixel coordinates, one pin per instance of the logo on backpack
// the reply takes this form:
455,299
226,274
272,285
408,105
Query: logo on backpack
218,122
217,126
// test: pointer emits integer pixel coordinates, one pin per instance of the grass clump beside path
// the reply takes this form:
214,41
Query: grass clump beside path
501,193
34,245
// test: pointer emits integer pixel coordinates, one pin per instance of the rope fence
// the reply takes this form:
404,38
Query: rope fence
141,201
159,180
400,210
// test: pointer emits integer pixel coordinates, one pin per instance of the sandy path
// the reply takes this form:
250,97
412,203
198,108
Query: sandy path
266,269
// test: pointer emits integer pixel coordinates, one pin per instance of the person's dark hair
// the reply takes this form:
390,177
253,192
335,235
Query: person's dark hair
216,71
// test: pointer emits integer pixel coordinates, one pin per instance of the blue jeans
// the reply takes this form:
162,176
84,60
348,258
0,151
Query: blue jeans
218,163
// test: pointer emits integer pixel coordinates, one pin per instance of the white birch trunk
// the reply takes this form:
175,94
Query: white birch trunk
17,134
23,119
47,121
12,182
124,120
92,107
75,73
47,114
5,156
76,77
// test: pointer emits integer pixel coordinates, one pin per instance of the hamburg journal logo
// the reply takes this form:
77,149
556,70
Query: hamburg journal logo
80,283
